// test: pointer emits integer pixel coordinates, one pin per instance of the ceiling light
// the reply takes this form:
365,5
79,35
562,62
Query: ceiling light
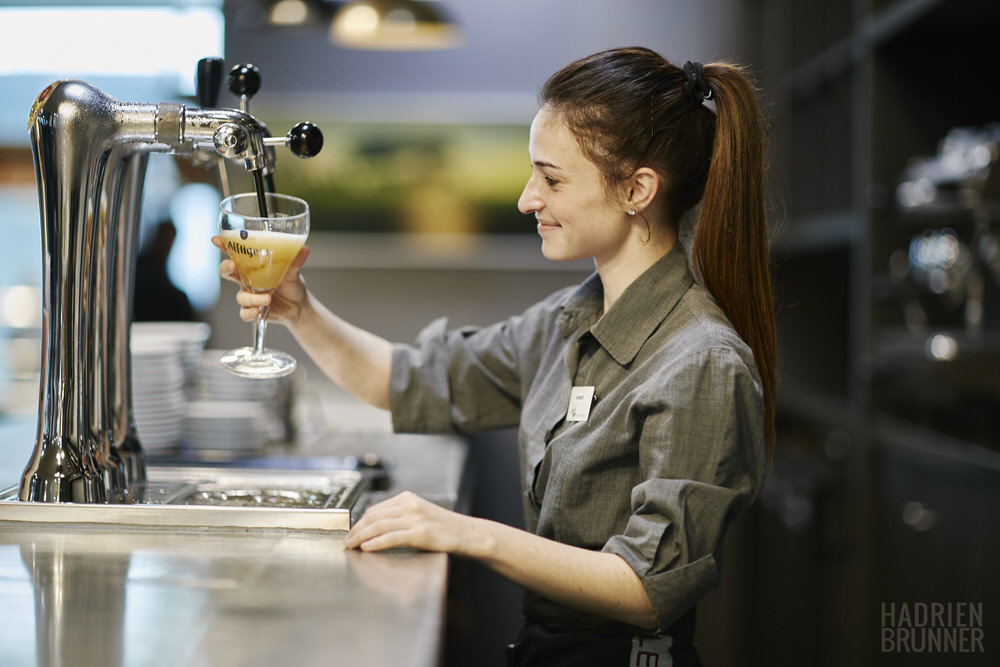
393,25
288,12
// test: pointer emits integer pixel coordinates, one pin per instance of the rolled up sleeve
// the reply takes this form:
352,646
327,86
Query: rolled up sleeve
456,381
703,459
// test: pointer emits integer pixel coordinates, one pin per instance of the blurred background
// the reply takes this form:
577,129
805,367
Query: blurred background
884,196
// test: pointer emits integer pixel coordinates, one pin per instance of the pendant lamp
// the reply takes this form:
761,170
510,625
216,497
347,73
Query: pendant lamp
394,25
290,12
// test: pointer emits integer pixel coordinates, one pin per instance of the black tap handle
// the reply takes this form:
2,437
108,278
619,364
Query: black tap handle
305,139
208,81
244,80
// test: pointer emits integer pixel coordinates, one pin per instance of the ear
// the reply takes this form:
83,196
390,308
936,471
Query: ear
643,186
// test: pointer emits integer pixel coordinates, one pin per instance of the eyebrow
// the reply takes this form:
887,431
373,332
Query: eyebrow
543,163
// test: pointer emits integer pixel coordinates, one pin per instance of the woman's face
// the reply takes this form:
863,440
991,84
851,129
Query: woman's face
576,218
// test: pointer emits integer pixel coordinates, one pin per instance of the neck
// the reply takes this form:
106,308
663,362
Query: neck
618,272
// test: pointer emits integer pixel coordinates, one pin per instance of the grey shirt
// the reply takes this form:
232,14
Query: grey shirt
673,447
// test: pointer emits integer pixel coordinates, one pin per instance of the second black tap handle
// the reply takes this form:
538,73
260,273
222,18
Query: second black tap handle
244,80
208,81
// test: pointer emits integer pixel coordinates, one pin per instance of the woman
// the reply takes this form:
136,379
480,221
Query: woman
645,398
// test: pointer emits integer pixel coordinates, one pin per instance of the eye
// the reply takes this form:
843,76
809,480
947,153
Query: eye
551,182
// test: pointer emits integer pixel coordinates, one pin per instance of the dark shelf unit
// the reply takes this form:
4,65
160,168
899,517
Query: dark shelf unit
908,448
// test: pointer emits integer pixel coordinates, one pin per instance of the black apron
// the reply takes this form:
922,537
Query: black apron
555,636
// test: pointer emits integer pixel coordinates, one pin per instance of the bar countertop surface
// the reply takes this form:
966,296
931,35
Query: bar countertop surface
112,596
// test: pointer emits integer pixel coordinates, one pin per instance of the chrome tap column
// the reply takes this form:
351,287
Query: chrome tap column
90,154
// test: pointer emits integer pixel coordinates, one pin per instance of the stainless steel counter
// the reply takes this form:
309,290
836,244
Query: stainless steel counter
108,596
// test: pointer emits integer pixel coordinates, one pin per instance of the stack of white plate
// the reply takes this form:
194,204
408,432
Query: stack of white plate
226,425
164,356
157,394
234,413
188,337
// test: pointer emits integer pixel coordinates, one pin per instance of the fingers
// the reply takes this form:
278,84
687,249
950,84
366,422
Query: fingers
249,314
292,275
379,535
227,269
248,299
251,304
407,520
403,520
300,259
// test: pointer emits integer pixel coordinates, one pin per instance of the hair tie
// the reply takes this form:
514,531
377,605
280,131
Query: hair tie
695,84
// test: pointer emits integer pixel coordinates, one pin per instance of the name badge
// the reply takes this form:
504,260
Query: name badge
580,400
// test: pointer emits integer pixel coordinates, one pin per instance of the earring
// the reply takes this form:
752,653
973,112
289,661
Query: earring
631,211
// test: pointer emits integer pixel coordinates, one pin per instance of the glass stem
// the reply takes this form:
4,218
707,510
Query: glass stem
260,327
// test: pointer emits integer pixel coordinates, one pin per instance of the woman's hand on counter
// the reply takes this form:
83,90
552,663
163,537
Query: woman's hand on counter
407,520
594,581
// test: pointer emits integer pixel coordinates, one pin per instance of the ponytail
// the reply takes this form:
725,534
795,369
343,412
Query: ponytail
730,247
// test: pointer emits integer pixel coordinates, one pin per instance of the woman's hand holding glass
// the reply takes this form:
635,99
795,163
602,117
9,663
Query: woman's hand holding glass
263,236
284,303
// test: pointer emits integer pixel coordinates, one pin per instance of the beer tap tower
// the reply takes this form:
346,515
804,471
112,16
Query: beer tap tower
90,153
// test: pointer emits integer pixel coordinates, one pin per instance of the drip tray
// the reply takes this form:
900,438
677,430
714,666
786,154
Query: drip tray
213,497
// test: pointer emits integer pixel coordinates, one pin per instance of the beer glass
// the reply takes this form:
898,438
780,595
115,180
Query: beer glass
263,246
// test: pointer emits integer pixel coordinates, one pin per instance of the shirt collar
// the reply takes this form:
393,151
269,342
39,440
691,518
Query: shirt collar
641,308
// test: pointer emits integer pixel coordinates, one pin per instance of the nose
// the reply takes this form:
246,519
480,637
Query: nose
529,201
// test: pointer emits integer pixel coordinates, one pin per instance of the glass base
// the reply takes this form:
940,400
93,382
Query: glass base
243,362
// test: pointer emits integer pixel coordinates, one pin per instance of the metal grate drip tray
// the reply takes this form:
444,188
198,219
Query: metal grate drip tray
213,497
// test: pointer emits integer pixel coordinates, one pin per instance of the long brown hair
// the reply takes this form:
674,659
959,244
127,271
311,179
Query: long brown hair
630,107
